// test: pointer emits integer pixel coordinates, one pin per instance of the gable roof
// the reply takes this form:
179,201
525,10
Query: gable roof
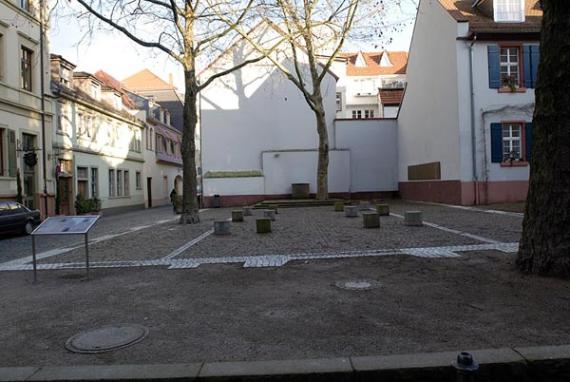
462,11
146,80
373,61
114,84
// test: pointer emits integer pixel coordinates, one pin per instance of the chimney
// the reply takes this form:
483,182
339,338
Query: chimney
170,81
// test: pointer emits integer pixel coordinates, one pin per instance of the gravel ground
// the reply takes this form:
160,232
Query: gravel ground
229,313
493,226
320,229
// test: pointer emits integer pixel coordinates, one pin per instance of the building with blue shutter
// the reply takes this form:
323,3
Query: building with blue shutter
465,125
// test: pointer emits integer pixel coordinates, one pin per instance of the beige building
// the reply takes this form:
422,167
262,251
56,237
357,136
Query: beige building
98,141
21,140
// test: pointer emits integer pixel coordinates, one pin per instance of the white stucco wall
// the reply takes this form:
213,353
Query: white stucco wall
373,150
283,168
493,106
254,110
237,186
428,119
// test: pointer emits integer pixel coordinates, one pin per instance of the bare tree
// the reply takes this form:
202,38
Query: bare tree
189,32
545,244
315,31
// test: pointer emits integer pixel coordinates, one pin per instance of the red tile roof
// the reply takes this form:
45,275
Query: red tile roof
391,96
112,83
462,11
399,62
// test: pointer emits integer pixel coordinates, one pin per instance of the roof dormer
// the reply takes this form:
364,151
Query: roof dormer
385,60
509,11
360,61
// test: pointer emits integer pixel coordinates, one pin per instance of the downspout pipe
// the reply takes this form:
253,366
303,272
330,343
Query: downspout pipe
43,110
473,142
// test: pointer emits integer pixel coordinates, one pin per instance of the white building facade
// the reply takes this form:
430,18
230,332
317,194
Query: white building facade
98,143
22,149
465,125
362,76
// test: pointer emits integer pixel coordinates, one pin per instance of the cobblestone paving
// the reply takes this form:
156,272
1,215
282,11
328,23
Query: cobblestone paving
319,229
298,233
505,228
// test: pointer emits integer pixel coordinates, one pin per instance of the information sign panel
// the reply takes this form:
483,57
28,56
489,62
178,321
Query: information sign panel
66,225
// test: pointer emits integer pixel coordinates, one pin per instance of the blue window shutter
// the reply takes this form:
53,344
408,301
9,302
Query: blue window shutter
496,142
527,63
534,60
494,68
528,139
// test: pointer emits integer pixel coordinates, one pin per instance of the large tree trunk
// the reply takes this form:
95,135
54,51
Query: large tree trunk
545,243
190,116
323,163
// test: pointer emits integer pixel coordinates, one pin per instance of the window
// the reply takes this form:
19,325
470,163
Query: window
368,114
60,106
25,4
2,149
1,56
149,139
94,183
509,10
82,182
119,182
510,66
111,183
126,187
64,76
138,180
512,133
338,101
357,114
95,90
26,69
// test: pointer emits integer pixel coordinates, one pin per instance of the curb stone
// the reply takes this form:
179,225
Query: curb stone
541,363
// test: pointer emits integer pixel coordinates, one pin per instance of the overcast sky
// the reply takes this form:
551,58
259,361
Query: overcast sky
120,57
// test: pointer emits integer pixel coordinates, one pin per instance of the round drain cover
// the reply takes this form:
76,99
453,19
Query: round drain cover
358,284
106,338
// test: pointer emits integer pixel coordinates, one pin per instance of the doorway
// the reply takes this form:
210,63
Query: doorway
149,192
65,192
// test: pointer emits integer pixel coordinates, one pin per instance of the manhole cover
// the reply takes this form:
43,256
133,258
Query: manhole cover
106,338
358,284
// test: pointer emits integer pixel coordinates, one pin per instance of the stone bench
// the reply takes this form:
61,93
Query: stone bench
222,227
371,219
351,211
269,214
383,209
237,216
263,225
413,218
247,211
339,206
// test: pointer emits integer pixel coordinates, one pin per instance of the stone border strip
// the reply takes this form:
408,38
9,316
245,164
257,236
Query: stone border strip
469,208
455,231
275,260
540,363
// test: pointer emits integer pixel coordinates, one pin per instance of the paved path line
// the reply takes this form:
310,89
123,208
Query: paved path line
190,244
455,231
276,260
468,208
186,246
98,239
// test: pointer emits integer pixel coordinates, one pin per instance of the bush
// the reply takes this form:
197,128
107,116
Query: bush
84,206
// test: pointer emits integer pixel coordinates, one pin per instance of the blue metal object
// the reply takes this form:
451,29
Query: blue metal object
467,368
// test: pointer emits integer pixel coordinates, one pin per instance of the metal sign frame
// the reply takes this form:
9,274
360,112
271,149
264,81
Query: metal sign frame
65,225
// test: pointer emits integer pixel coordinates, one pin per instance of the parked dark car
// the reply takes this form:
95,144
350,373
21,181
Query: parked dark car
15,217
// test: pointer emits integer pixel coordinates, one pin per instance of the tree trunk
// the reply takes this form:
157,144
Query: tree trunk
323,162
545,244
190,116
